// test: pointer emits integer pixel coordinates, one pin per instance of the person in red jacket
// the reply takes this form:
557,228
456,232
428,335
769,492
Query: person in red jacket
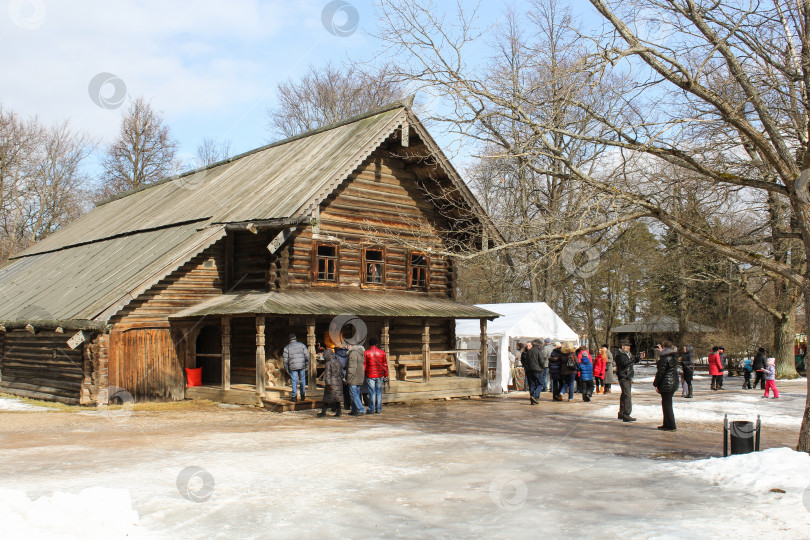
376,367
599,370
716,369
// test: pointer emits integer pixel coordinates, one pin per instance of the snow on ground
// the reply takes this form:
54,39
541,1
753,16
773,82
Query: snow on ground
755,475
785,412
92,513
12,404
344,480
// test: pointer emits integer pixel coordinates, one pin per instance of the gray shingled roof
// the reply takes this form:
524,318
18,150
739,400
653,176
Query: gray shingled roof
82,282
276,181
660,324
97,264
331,303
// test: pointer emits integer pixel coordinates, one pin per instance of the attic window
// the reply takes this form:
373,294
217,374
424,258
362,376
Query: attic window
326,262
374,266
418,271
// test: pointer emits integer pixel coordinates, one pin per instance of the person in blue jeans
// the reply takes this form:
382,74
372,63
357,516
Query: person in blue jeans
376,368
296,362
569,368
355,378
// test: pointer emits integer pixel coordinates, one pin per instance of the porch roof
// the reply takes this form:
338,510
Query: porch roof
361,304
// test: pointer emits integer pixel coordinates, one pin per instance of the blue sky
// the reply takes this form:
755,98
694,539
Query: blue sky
210,66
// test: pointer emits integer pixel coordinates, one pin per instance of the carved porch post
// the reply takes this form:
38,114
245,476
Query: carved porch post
483,360
226,353
260,355
426,351
313,363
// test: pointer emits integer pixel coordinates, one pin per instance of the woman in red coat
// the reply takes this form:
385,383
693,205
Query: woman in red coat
716,369
599,370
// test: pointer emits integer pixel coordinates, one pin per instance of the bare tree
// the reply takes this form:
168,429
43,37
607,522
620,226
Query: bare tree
211,150
737,68
328,94
43,185
144,151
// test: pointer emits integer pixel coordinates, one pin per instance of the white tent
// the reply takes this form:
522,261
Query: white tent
518,322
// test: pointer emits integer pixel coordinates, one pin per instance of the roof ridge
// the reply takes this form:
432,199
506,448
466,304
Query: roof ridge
406,103
23,255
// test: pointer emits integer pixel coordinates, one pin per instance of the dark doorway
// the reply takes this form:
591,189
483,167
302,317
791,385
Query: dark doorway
209,355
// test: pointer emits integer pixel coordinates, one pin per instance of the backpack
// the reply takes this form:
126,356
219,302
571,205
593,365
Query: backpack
571,363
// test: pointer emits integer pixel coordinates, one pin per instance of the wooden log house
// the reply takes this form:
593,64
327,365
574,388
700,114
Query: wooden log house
348,226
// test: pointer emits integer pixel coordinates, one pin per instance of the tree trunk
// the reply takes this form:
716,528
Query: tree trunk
783,346
804,432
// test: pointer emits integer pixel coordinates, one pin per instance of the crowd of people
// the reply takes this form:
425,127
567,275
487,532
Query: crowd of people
353,376
566,370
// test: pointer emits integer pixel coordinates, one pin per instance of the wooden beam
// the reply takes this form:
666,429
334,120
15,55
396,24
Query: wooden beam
267,224
228,262
260,357
191,346
313,364
426,351
483,360
385,337
226,353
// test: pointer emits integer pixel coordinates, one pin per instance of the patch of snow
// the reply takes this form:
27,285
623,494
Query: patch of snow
785,412
95,512
755,475
12,404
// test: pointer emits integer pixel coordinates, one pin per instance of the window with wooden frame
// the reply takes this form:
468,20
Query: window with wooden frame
374,266
325,265
418,277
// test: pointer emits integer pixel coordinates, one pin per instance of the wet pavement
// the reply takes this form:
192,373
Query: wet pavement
496,467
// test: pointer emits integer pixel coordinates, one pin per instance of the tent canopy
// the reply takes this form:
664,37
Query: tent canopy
531,319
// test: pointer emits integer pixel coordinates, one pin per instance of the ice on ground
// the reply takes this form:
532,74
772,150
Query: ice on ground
785,412
12,404
95,512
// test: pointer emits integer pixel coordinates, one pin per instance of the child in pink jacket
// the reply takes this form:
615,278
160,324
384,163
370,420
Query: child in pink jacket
770,379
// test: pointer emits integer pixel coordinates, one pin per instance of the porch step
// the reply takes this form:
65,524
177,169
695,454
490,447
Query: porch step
285,405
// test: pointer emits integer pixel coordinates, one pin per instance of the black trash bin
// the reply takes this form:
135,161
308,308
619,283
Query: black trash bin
742,435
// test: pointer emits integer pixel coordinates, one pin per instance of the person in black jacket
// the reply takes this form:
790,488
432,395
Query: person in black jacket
666,382
759,368
625,373
688,370
555,371
530,358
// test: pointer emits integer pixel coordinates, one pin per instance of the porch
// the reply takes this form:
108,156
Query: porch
238,340
276,399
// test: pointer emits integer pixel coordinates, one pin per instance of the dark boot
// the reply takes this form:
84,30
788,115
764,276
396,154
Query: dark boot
322,413
339,411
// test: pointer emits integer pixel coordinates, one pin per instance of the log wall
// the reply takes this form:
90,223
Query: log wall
41,366
380,205
147,356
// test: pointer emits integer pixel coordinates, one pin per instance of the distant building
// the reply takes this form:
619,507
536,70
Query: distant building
644,334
